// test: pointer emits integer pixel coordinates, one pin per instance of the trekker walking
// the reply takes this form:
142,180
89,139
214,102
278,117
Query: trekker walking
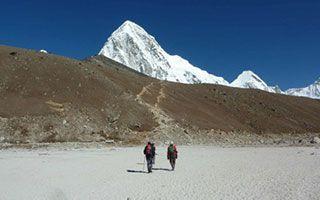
172,155
148,153
153,151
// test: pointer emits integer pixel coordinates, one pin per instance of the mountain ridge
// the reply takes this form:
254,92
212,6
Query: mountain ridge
132,46
312,91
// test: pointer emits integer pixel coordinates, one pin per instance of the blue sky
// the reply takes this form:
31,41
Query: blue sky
277,39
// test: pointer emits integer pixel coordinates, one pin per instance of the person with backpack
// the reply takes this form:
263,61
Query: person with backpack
153,152
148,153
172,155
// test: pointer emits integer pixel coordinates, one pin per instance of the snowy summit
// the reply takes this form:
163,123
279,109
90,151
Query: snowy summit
248,79
132,46
312,91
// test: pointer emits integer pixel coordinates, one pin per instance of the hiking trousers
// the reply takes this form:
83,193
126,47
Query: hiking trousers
149,164
173,163
154,160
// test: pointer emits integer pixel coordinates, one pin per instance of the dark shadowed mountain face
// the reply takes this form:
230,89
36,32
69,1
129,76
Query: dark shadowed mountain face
49,98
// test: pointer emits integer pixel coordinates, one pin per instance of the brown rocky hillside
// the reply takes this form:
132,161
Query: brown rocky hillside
49,98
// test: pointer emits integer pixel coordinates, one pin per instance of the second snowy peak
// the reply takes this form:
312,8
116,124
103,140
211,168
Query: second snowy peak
248,79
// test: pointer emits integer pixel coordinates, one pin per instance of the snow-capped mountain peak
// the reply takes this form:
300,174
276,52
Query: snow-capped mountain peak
248,75
130,24
248,79
312,91
132,46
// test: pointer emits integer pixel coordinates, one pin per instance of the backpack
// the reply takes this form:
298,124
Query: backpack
171,149
153,150
148,149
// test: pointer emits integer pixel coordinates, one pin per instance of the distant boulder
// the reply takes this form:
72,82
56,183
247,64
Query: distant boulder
316,140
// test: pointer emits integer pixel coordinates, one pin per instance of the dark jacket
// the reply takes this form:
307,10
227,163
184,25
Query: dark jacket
148,151
172,154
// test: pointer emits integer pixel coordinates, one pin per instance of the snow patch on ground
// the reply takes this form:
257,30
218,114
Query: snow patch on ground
43,51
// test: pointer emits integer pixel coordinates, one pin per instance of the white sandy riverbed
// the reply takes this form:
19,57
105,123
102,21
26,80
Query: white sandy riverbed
201,173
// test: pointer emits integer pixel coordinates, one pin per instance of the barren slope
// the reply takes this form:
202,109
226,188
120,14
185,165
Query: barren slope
52,98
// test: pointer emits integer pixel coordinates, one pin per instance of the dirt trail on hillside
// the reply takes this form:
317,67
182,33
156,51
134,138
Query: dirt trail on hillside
167,128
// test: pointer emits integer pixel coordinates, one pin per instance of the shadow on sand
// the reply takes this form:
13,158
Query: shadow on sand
136,171
163,169
144,172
